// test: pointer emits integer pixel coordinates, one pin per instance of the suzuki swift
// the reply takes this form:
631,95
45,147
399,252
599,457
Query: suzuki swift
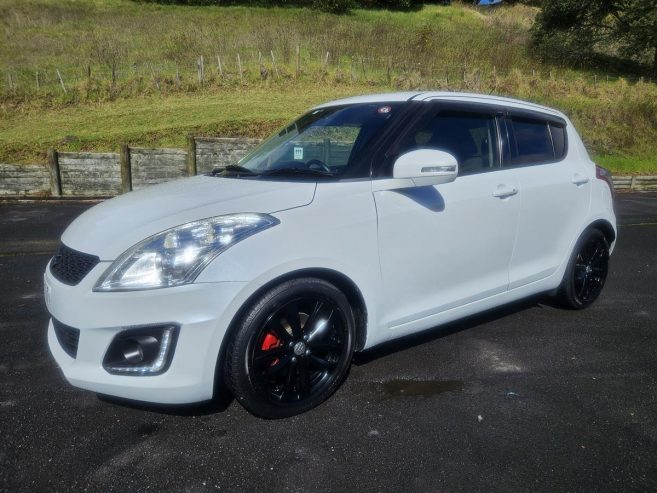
365,220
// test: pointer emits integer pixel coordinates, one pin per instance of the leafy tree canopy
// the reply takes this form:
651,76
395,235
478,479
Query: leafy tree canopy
589,32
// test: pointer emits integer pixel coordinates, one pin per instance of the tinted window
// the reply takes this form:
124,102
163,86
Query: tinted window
470,137
559,140
530,142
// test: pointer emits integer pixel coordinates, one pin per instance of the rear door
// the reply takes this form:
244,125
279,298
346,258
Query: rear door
554,193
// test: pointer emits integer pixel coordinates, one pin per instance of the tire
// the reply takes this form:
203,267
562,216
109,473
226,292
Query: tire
586,272
292,348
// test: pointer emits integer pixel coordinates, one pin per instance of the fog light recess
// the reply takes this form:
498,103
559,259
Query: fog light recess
141,351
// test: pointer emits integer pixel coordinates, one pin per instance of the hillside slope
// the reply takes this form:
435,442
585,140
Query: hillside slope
94,74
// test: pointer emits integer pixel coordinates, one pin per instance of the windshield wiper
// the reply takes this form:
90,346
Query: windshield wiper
232,169
296,171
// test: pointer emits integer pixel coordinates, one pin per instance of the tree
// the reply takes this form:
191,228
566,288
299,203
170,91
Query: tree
583,31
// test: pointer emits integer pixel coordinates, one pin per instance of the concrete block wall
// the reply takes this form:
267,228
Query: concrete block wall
93,174
103,174
24,180
152,166
212,152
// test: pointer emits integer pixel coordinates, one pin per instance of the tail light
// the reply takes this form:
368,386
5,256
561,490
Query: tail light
605,175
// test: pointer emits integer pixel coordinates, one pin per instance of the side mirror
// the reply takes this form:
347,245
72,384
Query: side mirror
426,167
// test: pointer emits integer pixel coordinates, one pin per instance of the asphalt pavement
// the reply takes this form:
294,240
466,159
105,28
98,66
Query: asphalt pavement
525,398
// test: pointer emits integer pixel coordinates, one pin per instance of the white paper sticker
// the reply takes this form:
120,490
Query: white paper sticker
298,153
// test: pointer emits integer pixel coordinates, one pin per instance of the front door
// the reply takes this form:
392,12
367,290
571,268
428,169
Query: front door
447,245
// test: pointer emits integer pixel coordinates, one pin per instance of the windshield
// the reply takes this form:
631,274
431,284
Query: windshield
325,142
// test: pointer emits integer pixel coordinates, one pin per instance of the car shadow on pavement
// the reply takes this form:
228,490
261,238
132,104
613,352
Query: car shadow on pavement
223,398
410,341
218,404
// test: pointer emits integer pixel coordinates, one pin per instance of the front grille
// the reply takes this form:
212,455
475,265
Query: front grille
70,266
68,337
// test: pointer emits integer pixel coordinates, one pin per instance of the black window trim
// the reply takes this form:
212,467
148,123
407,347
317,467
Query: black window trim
540,118
434,107
535,115
565,141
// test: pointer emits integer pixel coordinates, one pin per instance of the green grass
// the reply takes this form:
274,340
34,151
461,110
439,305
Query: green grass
452,48
162,121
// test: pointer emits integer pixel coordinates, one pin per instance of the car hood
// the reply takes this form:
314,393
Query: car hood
110,228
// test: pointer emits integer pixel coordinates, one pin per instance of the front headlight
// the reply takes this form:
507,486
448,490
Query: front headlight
176,256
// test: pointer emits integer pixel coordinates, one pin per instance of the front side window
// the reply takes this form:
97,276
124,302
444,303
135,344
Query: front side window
329,141
470,137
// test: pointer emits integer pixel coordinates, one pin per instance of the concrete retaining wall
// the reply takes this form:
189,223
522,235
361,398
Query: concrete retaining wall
151,166
93,174
86,174
212,152
635,183
24,180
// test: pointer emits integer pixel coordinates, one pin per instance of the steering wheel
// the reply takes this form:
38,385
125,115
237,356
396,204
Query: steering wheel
317,163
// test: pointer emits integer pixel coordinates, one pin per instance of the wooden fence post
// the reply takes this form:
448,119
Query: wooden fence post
239,65
61,81
273,62
191,155
55,176
298,61
221,70
126,169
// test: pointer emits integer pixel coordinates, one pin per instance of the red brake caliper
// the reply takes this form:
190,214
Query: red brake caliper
270,342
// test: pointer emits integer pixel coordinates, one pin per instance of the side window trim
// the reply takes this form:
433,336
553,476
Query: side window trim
565,141
407,121
433,108
535,115
554,149
539,118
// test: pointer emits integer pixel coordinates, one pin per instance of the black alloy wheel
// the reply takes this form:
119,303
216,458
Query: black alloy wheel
292,349
587,271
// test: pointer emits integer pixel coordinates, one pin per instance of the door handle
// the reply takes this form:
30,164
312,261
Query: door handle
579,179
503,192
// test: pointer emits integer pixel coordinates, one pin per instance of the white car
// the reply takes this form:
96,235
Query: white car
365,220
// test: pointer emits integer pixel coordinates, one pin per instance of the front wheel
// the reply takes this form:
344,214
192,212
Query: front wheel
586,272
292,348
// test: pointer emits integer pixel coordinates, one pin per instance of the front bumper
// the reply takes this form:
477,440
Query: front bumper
203,311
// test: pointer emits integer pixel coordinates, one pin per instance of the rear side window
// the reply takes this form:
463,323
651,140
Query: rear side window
534,141
530,142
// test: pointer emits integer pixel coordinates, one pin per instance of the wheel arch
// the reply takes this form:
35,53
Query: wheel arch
340,280
606,228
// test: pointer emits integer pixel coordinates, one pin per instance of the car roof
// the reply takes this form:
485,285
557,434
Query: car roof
392,97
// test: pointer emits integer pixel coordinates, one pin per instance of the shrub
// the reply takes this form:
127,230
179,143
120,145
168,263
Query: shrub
333,6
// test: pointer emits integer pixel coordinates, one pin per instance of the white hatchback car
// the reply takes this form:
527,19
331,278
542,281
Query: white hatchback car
365,220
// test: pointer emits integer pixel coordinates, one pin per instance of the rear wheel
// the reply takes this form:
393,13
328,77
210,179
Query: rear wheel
292,348
586,272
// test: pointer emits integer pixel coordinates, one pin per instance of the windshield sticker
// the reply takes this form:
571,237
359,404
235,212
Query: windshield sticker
298,153
384,109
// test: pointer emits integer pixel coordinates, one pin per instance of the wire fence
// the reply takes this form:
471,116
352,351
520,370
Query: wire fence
210,70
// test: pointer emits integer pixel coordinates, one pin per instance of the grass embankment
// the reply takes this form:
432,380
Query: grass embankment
156,97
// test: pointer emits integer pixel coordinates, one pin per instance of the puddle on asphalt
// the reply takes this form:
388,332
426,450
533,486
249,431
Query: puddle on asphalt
146,429
420,388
